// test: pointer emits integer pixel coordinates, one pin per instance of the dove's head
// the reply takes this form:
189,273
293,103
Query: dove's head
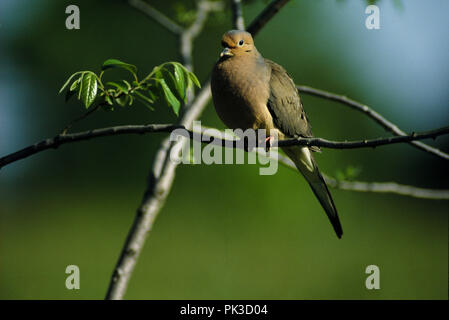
237,43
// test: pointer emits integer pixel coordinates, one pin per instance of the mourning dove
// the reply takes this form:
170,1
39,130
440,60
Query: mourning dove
252,92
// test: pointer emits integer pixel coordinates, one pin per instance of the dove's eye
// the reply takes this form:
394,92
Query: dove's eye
241,43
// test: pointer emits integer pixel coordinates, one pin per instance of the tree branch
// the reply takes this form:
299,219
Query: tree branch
185,36
237,15
53,143
162,173
359,186
324,143
387,125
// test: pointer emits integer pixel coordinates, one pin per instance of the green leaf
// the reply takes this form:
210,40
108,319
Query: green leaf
81,85
127,84
144,97
147,102
170,97
108,100
152,95
180,82
70,79
170,80
88,89
122,101
119,86
194,79
70,93
114,63
149,106
157,73
74,85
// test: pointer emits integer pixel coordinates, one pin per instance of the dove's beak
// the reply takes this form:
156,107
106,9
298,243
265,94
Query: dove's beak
226,52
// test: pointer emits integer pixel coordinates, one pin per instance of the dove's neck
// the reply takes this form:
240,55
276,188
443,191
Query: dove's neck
252,64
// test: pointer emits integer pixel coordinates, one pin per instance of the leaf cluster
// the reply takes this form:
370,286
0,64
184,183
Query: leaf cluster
169,81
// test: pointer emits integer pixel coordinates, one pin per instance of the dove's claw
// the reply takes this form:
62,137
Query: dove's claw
268,142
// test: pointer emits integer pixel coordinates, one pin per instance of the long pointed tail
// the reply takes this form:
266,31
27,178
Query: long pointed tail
304,161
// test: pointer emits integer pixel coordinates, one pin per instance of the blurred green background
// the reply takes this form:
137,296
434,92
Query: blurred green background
225,232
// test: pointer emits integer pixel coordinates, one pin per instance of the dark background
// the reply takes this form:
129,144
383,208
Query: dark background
225,232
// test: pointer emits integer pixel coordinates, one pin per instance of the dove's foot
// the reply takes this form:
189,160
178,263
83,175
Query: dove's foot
268,143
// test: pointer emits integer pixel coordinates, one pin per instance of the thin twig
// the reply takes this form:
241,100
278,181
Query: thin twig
188,36
372,143
387,125
157,16
84,116
55,142
185,36
374,187
237,15
265,16
388,187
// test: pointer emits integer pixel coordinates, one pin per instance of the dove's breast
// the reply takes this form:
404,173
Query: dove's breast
240,92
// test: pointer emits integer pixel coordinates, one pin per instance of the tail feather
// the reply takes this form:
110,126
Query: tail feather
324,197
304,161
